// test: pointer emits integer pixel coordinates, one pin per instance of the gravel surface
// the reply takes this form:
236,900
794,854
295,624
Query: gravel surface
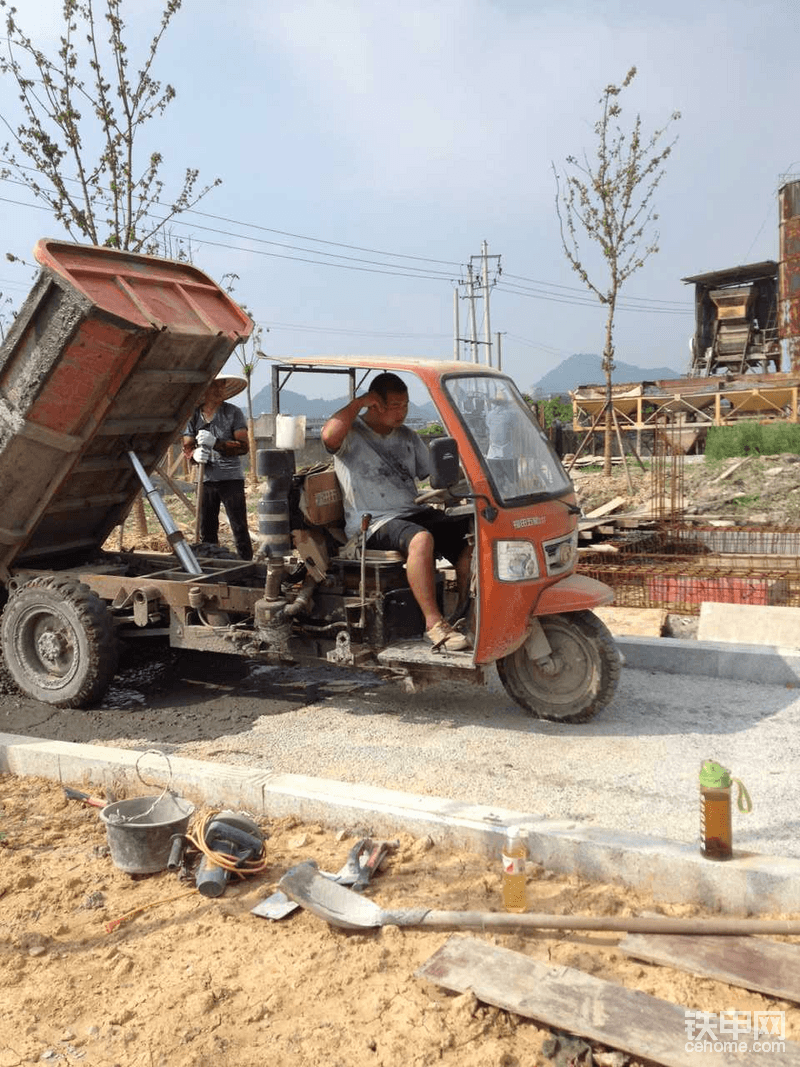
634,767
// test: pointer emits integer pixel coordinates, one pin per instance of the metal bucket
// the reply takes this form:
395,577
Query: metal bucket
139,830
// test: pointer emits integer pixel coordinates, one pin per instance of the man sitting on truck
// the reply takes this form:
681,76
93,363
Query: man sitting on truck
215,437
377,461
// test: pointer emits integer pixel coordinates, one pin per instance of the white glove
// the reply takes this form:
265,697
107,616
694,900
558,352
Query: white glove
206,439
202,455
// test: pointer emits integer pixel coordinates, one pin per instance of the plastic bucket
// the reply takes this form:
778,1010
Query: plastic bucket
139,830
290,431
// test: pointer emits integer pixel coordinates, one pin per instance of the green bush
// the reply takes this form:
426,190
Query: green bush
555,408
752,439
433,429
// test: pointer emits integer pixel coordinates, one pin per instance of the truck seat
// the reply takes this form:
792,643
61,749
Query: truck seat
322,506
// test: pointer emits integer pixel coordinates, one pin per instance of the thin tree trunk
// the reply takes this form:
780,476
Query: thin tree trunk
251,437
608,367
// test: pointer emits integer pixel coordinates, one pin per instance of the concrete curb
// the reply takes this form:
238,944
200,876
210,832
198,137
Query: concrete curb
765,664
749,884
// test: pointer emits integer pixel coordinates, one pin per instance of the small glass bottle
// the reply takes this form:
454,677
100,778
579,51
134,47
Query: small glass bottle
515,853
716,833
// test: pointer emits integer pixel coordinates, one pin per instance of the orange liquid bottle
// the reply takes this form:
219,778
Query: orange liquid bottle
515,853
716,833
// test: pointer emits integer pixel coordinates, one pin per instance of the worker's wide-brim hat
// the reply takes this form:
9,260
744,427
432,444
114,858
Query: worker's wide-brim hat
234,384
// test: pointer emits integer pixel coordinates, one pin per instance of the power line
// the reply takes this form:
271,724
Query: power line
373,267
407,271
533,294
321,262
549,349
320,240
355,333
178,220
576,289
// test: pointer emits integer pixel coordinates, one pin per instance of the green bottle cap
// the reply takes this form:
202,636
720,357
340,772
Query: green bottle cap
714,775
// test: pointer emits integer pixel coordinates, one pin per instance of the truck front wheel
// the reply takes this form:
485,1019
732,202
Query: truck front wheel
58,642
576,680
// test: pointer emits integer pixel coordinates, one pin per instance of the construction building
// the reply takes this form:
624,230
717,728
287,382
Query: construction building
745,351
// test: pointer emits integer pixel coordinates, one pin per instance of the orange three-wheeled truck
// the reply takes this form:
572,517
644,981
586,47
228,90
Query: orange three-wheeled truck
98,375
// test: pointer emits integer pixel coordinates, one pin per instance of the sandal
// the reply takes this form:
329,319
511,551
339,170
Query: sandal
442,635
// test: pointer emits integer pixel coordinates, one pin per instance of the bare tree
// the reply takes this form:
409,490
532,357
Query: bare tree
610,199
85,101
248,364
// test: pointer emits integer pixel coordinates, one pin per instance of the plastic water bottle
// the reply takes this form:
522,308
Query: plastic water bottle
716,831
515,852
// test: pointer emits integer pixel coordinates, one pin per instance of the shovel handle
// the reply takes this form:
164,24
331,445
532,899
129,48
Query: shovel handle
661,924
201,474
76,794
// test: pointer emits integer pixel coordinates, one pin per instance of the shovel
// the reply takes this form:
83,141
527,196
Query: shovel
364,859
349,911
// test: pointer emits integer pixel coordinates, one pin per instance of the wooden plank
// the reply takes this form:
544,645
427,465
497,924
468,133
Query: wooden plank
763,966
567,999
727,473
605,509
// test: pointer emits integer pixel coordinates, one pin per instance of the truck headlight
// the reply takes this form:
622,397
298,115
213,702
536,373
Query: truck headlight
515,561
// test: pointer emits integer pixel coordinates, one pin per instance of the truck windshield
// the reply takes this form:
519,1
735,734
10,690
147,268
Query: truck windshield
513,449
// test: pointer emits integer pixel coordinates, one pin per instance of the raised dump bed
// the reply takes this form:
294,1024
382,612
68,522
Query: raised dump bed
110,353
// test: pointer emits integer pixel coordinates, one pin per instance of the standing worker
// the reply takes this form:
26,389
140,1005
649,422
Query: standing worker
215,437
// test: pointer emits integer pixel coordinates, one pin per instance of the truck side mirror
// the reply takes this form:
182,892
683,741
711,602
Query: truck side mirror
445,470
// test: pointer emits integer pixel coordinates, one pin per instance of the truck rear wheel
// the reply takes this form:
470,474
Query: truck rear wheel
580,676
58,642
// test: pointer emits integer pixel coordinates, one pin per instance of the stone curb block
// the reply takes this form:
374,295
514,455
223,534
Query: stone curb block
765,664
749,884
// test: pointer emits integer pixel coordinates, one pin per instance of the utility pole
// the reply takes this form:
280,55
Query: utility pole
487,331
499,351
480,279
456,334
472,322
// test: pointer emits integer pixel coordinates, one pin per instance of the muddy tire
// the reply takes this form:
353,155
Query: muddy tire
58,642
586,668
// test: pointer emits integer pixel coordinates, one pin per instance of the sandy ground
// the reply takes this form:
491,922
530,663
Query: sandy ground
188,981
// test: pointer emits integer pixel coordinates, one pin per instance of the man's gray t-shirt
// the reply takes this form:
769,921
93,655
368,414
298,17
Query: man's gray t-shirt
228,418
368,468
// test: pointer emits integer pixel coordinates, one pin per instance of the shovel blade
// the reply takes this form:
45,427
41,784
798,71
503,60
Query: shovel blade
277,906
332,902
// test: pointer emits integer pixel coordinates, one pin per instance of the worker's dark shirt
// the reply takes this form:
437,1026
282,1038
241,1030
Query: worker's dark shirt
227,420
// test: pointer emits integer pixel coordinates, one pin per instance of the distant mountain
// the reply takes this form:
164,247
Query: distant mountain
584,369
317,407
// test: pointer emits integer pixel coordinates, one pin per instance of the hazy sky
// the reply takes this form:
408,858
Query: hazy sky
367,149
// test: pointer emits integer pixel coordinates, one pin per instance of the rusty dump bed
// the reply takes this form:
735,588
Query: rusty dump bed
110,352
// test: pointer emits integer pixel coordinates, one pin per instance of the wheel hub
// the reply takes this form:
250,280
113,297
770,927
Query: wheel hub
51,646
550,665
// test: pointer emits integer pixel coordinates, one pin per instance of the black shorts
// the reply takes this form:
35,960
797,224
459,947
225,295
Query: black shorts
449,532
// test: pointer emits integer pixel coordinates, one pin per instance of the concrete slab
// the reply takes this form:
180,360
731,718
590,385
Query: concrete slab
747,884
738,623
764,664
